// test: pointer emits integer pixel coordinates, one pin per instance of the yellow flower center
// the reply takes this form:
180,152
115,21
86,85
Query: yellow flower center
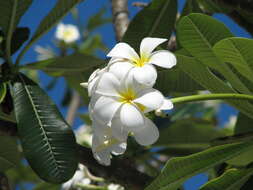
128,96
141,61
67,33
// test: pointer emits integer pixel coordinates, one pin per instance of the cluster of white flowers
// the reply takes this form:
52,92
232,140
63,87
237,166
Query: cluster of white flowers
67,32
122,93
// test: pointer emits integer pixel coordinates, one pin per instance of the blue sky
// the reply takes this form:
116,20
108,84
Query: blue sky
39,9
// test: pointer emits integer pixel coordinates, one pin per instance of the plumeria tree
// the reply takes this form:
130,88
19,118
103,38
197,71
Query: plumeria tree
152,103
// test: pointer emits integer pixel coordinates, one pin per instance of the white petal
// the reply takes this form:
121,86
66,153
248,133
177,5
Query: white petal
131,117
108,85
149,44
167,105
148,134
150,98
118,149
145,75
105,108
102,156
120,69
163,59
123,50
118,130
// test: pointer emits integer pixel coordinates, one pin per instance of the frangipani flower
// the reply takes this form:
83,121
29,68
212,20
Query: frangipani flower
67,33
124,58
122,105
104,144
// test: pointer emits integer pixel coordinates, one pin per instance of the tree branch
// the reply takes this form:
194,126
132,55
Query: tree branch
73,107
121,171
120,17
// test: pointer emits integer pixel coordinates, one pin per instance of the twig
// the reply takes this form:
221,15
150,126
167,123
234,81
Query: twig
120,17
4,184
73,107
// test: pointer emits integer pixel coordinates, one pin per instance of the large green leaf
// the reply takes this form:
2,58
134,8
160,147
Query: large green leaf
47,140
243,126
177,170
237,51
11,12
155,20
61,8
9,155
232,179
67,65
175,80
192,133
207,79
197,33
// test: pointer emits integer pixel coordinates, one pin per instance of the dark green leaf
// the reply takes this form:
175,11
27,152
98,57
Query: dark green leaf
175,80
47,140
155,20
191,6
177,170
11,12
232,179
20,35
47,186
67,65
9,155
188,134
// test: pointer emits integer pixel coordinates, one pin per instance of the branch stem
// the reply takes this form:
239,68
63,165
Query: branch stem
203,97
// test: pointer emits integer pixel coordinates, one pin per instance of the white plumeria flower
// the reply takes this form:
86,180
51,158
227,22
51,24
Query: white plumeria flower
124,58
67,32
122,104
104,144
93,80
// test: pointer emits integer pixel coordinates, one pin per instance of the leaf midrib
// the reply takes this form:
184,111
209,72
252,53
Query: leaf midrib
40,123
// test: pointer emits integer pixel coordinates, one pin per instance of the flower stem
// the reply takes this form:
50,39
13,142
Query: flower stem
202,97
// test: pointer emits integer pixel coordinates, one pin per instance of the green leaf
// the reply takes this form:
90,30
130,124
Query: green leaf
201,74
98,19
232,179
47,140
237,52
47,186
9,155
191,6
11,12
20,35
3,91
211,7
175,80
177,170
243,126
67,65
155,20
197,33
61,8
191,135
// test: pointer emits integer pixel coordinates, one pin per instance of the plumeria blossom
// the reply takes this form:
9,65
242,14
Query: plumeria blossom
124,58
122,105
104,144
67,32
